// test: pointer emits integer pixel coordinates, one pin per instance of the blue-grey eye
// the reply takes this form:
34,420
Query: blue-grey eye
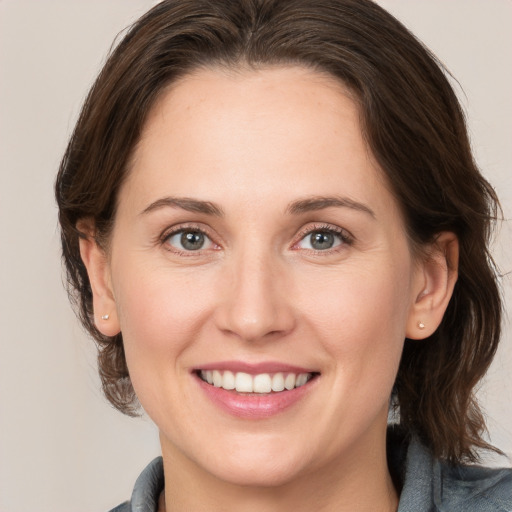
320,240
189,240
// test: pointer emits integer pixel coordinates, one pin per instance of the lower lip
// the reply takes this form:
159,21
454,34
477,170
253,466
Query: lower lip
254,406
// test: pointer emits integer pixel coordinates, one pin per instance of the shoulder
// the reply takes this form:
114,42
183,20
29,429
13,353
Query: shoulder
146,490
433,485
475,488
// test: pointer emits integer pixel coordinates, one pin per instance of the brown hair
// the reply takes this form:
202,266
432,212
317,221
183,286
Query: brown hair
412,122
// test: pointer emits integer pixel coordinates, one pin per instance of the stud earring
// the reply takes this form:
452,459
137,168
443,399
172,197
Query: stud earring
421,325
105,317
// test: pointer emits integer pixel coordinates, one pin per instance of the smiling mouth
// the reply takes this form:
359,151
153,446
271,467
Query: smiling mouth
262,383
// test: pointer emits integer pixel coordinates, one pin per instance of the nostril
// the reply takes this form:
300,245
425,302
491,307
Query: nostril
253,323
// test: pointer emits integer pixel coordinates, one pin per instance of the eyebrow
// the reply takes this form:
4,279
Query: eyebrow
185,203
311,204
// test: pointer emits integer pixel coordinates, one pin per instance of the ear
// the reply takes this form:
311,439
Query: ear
96,262
433,287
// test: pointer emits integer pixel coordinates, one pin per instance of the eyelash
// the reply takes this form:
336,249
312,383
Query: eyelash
346,238
164,238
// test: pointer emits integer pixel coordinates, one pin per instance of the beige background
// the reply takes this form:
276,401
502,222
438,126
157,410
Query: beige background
62,448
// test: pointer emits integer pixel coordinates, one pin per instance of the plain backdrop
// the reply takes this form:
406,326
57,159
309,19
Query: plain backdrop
62,447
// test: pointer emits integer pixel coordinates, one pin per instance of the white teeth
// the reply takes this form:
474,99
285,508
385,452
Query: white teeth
217,378
278,382
229,380
261,383
301,380
289,382
243,383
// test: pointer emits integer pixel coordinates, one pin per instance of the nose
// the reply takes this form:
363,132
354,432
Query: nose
254,302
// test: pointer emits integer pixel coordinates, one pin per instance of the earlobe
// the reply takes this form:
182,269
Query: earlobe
96,262
436,278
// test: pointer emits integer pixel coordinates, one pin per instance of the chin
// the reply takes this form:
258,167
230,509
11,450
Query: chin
272,474
264,465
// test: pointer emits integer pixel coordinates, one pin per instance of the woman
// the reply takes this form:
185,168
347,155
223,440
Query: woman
265,328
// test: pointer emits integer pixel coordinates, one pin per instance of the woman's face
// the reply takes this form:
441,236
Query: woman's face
255,239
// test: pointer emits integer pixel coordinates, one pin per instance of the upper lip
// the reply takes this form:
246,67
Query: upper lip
254,368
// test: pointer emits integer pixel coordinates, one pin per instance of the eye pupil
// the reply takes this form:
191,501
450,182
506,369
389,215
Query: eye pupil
192,240
321,240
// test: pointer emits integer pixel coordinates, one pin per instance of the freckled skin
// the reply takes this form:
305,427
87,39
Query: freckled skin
252,143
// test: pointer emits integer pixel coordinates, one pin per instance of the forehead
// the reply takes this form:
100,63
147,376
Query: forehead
251,132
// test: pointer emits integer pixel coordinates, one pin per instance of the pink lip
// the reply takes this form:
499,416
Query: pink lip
252,405
254,368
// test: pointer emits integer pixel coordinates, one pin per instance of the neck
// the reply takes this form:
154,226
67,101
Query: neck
360,482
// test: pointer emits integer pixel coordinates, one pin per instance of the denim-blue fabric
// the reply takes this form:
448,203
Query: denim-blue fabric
427,484
434,486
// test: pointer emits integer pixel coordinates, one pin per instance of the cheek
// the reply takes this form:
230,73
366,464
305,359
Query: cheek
160,313
361,319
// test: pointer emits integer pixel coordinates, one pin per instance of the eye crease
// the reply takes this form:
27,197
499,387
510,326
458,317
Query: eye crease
189,240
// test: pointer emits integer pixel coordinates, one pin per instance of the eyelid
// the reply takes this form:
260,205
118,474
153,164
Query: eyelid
346,237
180,228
